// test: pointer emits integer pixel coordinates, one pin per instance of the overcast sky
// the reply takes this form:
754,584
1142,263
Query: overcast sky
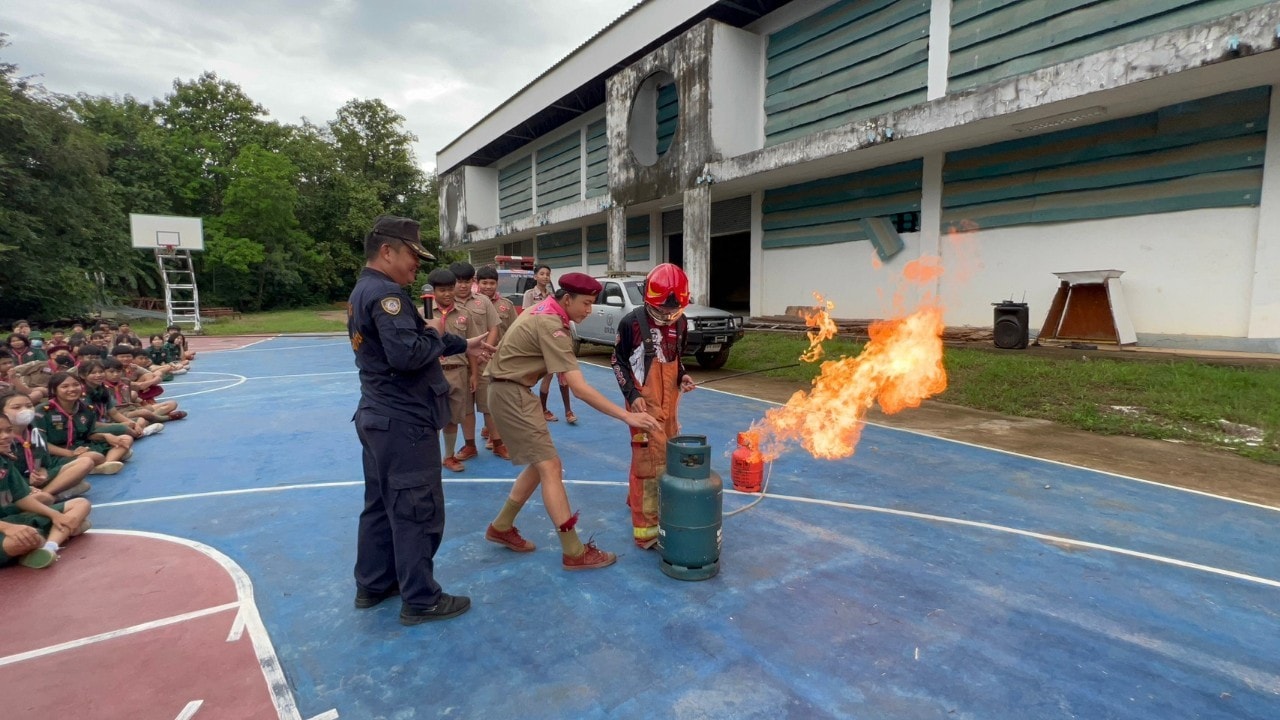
442,64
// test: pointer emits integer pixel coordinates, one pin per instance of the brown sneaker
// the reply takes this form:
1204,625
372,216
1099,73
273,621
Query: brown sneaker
452,464
488,444
571,418
591,559
501,451
550,416
484,432
510,538
466,453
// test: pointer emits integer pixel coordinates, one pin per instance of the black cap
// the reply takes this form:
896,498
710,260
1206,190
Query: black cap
402,229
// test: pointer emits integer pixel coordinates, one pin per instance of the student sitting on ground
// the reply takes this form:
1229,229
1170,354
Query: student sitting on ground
55,478
128,402
30,531
20,350
70,429
78,336
103,401
126,336
178,340
34,376
143,381
166,356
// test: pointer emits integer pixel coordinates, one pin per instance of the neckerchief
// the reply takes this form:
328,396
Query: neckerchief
71,421
551,306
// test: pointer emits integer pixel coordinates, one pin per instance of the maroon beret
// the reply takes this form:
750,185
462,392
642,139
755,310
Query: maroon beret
579,284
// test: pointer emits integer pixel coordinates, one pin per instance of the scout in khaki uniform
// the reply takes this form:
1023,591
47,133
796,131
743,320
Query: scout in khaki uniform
538,343
482,318
487,285
646,362
449,319
534,295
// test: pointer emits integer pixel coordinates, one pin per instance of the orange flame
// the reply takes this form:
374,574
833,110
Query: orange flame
819,318
900,367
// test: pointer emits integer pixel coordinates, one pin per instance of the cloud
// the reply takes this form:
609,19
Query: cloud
443,64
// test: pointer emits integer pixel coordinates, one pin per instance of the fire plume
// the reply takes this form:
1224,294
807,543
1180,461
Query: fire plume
824,328
900,366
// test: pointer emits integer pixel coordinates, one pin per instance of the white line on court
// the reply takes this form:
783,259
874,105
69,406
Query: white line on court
237,628
238,349
238,380
190,710
112,634
789,498
1033,457
280,349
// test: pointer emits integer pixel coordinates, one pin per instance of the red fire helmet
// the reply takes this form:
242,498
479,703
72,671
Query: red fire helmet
666,293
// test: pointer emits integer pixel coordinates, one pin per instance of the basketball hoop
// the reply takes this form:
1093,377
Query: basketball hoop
165,249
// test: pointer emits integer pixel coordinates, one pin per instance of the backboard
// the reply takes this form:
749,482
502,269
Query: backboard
153,232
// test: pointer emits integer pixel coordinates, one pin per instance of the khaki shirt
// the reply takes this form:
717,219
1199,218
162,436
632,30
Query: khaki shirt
537,344
468,319
533,296
506,314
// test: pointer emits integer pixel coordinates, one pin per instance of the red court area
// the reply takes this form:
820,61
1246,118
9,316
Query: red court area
142,628
207,343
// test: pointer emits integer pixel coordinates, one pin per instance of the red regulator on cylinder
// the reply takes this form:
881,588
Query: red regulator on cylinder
747,468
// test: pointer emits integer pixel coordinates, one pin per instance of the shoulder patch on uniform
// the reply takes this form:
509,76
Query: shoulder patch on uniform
558,333
391,305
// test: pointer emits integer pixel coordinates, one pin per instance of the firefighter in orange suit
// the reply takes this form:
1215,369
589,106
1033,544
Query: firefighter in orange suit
646,360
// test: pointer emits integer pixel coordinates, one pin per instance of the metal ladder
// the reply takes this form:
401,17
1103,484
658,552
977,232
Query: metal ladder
181,296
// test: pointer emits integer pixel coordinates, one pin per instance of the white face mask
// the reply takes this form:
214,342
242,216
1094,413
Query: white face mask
22,417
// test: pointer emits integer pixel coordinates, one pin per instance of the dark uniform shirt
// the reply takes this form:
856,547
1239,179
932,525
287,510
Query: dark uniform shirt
396,353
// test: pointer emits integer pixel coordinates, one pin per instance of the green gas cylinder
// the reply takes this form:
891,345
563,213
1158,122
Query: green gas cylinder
690,504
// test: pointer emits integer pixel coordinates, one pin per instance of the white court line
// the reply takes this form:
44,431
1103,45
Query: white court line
113,634
1059,463
190,710
239,380
238,349
1058,539
287,347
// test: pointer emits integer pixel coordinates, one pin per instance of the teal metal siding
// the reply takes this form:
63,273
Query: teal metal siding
597,159
995,39
1181,157
515,189
598,245
668,116
559,173
831,210
561,249
851,61
638,239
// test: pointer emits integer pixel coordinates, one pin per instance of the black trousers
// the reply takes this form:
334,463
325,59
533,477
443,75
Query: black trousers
403,518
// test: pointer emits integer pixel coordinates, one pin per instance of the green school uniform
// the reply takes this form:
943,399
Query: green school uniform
172,352
69,429
13,487
29,448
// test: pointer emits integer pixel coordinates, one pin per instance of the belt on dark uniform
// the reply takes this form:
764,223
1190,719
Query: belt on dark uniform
513,382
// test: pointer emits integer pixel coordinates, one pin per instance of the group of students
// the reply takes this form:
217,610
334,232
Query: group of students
646,363
69,408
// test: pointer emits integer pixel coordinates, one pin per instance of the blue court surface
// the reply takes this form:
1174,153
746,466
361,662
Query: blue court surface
921,578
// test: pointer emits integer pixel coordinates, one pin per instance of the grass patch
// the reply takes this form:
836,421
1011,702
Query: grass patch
1174,399
326,318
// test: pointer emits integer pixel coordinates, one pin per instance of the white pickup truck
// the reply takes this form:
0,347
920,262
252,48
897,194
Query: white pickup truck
711,332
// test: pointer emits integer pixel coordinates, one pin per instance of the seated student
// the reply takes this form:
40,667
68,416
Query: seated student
56,479
178,340
162,359
30,531
78,336
100,339
126,336
128,402
110,418
143,381
69,425
173,355
34,376
89,351
19,348
57,337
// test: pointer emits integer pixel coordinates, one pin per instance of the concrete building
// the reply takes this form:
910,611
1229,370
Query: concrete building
775,148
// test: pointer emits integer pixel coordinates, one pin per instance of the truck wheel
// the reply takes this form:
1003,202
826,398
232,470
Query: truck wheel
713,361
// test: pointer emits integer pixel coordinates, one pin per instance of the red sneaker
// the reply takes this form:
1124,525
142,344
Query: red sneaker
509,538
484,432
571,418
550,416
466,453
452,464
501,451
177,414
591,559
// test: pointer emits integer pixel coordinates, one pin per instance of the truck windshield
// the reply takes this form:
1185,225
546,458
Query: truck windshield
634,292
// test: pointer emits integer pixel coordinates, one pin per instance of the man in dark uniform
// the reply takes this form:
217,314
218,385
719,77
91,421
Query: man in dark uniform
403,403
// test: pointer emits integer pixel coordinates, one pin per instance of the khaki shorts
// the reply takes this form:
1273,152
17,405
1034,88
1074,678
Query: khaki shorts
518,415
460,405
